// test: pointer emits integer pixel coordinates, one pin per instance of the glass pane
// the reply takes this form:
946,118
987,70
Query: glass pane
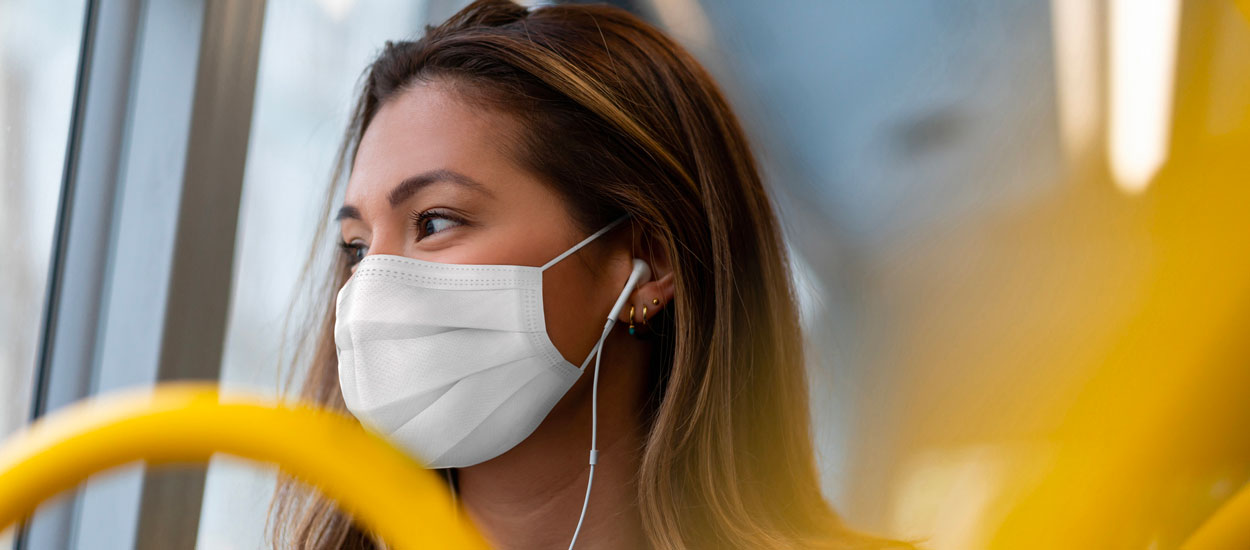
311,56
39,43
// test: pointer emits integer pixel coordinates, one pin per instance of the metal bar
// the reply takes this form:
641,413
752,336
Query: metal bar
197,302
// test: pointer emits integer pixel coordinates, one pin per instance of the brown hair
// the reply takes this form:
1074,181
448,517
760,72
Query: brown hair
618,118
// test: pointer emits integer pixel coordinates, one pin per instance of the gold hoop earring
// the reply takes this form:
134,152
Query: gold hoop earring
631,320
644,316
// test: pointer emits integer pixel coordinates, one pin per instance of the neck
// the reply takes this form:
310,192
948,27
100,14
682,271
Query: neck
531,496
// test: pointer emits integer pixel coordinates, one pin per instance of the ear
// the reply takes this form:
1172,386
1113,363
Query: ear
657,292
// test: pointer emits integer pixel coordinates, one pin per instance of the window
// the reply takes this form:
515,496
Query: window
39,44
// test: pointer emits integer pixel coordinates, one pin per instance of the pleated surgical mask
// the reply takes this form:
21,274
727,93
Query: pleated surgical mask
452,361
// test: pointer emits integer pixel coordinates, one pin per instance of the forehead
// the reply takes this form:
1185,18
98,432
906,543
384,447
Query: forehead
429,127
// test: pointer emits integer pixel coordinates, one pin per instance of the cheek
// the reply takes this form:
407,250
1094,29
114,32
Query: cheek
574,308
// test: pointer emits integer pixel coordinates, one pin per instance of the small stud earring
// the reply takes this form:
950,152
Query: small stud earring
631,320
655,301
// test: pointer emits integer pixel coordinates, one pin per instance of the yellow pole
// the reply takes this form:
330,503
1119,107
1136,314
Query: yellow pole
406,505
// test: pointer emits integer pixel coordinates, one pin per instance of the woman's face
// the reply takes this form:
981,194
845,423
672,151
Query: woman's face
434,179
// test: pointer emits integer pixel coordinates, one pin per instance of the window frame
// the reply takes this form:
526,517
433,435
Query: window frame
144,242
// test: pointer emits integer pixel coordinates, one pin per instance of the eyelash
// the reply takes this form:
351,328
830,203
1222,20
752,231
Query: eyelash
419,220
351,250
354,249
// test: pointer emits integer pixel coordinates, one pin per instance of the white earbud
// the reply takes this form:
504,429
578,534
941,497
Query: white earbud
640,274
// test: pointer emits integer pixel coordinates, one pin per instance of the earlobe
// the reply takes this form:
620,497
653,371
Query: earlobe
654,295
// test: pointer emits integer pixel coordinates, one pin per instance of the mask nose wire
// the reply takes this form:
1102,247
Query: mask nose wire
584,242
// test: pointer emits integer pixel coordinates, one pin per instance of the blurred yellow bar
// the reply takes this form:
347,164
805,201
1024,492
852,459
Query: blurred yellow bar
1228,528
406,505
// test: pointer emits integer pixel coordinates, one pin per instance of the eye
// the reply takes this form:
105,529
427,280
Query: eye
355,251
430,222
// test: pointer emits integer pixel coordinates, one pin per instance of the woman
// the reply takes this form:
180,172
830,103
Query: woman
580,139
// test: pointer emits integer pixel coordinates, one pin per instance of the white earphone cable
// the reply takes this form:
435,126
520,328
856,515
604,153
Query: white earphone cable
640,273
594,429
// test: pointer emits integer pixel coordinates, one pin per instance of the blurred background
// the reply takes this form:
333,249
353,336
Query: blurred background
1021,232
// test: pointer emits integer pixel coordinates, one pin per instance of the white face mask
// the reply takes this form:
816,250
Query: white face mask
452,361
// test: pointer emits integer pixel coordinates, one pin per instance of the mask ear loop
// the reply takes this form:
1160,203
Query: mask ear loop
640,273
584,242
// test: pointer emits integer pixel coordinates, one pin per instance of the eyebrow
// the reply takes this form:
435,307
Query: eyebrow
412,184
347,212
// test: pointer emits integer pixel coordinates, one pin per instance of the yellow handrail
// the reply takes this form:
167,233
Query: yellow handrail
1229,527
406,505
